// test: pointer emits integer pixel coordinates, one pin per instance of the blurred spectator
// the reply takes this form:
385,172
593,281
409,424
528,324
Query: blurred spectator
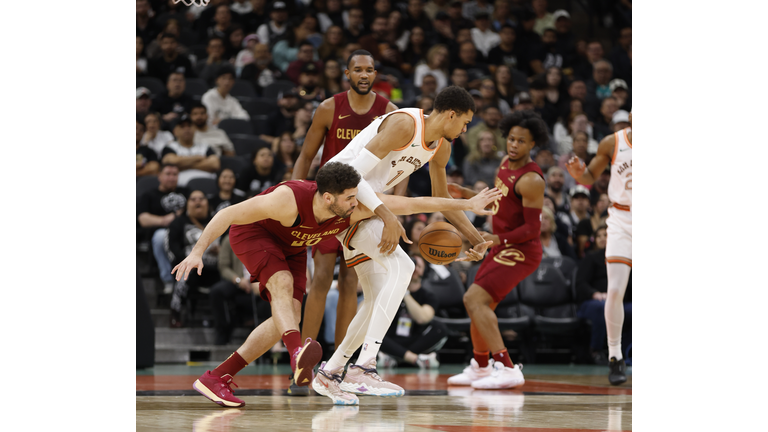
306,55
491,96
183,233
377,43
331,80
209,135
483,35
235,286
331,15
544,159
282,119
577,89
241,7
234,42
170,61
208,67
509,53
541,104
413,229
526,37
415,51
544,19
470,9
309,23
565,135
221,25
416,16
549,55
276,28
597,87
227,195
195,160
309,84
459,77
552,244
468,61
585,68
262,174
146,158
301,123
141,58
143,102
620,91
155,138
620,120
443,31
426,104
355,25
591,293
483,159
579,203
580,144
436,65
428,87
175,101
603,123
600,186
155,210
557,89
286,50
562,220
245,55
457,18
154,48
382,7
433,7
566,40
502,15
413,335
261,72
491,116
523,101
256,17
620,59
221,105
587,228
555,180
286,151
145,21
332,47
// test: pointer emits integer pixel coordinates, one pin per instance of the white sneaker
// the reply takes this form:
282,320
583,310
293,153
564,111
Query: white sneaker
501,377
428,361
471,373
326,383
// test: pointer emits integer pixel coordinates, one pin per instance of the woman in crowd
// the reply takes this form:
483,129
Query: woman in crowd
331,78
586,230
552,243
333,44
227,195
505,88
155,138
415,51
435,65
261,175
491,97
286,151
483,160
577,122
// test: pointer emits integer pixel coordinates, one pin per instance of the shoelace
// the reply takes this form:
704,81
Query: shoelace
372,371
229,383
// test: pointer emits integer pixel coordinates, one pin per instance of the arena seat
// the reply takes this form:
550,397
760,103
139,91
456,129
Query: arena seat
207,185
236,126
153,84
196,88
273,90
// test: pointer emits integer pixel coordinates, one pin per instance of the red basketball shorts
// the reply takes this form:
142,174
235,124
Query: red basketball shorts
262,255
328,246
507,266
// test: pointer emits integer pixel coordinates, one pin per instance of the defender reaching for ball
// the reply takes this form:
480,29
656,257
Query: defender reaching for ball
269,234
516,252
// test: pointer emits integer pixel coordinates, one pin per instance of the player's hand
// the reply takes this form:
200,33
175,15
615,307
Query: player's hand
459,191
391,234
479,202
477,253
575,167
600,296
186,266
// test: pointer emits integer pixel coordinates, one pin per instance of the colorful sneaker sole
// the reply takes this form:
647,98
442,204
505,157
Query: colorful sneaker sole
362,389
321,390
203,390
308,358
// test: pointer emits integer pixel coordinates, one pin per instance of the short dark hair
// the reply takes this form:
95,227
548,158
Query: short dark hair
527,119
213,38
168,35
166,165
197,105
336,177
361,52
454,98
305,42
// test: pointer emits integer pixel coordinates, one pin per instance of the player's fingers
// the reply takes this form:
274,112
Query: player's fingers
405,238
200,269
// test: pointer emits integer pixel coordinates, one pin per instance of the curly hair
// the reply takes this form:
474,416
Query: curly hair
336,177
454,98
527,119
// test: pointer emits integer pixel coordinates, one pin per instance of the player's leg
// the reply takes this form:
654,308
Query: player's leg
319,287
618,258
347,306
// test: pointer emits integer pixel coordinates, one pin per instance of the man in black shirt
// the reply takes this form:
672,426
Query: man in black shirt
281,120
508,52
468,61
146,158
170,61
174,102
262,72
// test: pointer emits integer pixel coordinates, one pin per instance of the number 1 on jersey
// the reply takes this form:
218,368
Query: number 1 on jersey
399,173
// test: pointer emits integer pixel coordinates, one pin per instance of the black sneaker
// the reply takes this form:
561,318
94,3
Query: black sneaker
618,371
294,390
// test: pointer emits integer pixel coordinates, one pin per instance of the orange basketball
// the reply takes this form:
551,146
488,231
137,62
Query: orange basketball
440,243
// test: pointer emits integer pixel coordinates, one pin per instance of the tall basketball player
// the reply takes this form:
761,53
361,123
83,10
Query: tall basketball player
616,149
337,120
516,252
384,153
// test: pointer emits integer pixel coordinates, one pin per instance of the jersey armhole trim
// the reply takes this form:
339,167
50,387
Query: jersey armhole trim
415,130
615,147
626,137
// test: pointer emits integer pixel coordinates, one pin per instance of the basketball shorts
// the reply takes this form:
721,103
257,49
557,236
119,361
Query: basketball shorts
361,243
619,232
330,245
262,255
506,266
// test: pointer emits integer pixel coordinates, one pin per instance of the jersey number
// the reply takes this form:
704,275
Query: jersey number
496,206
399,173
311,242
628,184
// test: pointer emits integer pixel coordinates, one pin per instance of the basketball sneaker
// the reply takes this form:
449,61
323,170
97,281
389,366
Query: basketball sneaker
365,380
295,390
471,373
618,371
218,389
327,383
304,360
501,377
428,361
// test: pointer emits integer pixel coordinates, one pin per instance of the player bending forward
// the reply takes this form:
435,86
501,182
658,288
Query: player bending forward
515,254
617,149
269,234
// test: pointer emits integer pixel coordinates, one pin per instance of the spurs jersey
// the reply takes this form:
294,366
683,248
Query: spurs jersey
620,186
400,162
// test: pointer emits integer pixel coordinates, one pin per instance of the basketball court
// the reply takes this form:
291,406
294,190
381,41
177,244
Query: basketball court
554,398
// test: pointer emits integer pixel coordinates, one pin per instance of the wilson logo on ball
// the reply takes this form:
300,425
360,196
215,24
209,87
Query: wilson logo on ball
441,254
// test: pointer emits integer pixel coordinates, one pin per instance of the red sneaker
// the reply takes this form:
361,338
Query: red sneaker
304,360
218,389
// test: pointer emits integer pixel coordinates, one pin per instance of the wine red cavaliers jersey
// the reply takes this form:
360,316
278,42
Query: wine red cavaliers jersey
508,210
287,241
347,124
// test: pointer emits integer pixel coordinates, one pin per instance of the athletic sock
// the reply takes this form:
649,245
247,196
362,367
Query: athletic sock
481,358
503,357
232,365
292,340
614,350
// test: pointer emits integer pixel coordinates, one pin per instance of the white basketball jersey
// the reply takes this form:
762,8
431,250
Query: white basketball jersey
399,163
620,186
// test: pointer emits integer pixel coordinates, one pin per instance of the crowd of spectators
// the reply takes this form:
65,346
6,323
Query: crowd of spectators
268,64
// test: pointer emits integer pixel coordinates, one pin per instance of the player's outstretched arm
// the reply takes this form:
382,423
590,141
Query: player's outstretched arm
588,174
321,122
531,188
407,206
279,205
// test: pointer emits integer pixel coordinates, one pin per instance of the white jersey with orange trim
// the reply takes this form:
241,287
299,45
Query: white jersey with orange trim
620,185
400,162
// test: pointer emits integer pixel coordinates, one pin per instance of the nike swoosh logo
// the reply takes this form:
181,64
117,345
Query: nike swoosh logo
343,117
414,145
621,150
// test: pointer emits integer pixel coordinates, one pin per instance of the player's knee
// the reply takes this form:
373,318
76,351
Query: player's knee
281,284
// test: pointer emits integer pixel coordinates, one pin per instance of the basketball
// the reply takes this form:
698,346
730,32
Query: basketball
440,243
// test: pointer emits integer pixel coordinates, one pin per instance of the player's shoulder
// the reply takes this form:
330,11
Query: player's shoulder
607,145
532,179
391,107
326,106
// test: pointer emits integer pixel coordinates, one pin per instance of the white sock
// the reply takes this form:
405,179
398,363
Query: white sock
618,276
